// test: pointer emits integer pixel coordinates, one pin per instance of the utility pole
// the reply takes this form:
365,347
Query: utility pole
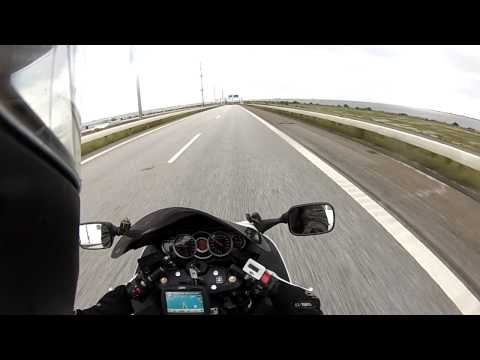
214,98
139,98
201,83
222,97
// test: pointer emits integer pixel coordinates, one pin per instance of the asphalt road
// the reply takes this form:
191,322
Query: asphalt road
237,165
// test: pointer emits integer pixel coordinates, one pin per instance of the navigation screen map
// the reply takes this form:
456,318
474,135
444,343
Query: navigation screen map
184,302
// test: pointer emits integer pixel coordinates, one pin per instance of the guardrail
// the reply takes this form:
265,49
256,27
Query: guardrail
464,167
131,117
92,142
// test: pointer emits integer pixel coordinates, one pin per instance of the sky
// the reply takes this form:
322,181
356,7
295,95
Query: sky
443,78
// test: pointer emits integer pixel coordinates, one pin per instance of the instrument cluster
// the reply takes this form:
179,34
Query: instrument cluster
203,245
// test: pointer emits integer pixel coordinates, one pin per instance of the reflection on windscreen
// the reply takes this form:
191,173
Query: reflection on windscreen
46,87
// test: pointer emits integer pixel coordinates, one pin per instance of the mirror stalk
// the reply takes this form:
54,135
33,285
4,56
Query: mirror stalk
264,225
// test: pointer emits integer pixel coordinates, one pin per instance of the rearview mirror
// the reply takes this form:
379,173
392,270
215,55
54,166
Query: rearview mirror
311,219
95,236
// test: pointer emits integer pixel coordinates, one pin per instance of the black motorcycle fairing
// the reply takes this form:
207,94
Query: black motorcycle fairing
167,222
152,305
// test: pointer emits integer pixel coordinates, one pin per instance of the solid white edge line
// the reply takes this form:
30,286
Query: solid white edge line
451,285
130,140
185,147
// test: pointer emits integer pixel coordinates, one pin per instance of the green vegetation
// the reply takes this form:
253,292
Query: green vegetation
466,138
96,144
463,175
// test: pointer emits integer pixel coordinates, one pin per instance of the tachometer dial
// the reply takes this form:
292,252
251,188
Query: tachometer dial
220,244
184,246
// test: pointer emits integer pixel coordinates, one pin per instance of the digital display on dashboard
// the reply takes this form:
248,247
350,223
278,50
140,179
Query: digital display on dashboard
184,302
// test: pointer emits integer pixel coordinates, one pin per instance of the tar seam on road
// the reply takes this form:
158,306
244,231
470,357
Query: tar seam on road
130,140
175,157
453,287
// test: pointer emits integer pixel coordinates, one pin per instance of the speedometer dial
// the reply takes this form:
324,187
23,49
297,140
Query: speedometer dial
184,246
220,244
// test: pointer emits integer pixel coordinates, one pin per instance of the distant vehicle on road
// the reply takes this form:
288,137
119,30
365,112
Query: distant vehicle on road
234,99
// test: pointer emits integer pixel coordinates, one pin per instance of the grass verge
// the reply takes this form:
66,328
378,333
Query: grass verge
459,173
453,134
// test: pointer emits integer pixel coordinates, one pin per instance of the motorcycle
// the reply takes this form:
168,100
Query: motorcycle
197,264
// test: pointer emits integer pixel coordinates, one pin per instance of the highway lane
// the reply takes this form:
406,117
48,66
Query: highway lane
235,166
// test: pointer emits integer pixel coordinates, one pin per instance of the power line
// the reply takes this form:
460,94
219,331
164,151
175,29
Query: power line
201,83
139,97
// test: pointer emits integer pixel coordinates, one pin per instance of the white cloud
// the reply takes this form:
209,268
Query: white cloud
444,78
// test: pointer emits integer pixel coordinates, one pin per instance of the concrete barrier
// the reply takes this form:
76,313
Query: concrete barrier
452,162
105,137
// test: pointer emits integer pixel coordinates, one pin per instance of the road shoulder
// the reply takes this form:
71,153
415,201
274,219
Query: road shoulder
443,218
